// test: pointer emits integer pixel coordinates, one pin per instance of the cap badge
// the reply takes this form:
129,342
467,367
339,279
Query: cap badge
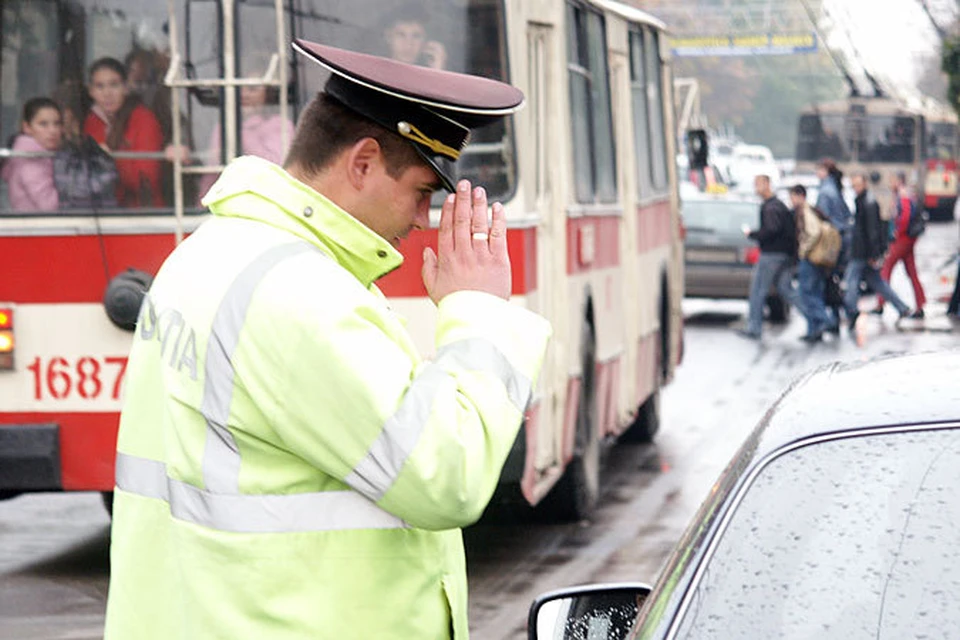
410,132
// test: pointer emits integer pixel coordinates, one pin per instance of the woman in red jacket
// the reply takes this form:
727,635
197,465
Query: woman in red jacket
120,122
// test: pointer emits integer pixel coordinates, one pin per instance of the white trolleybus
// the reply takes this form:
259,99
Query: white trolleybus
584,171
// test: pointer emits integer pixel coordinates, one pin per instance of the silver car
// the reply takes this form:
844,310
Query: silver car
718,258
839,517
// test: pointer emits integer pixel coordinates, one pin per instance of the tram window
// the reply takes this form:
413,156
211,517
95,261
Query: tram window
658,147
823,136
49,46
941,140
886,139
641,124
465,36
594,154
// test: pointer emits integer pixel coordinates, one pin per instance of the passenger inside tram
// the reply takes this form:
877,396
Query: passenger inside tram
30,183
263,125
119,121
405,35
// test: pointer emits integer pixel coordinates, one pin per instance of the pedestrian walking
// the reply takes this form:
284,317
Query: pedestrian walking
908,226
830,201
866,254
811,230
953,306
777,237
287,465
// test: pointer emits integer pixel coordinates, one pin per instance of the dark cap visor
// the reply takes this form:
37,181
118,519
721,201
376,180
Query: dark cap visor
447,181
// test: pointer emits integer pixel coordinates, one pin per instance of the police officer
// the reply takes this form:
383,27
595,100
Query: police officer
287,465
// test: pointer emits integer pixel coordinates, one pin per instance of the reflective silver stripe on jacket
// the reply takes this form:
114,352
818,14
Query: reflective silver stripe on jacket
221,458
378,470
221,506
238,513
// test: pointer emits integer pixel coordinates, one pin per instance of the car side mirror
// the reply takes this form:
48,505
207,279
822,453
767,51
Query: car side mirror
601,612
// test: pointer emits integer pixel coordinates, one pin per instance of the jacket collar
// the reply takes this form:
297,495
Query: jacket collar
256,189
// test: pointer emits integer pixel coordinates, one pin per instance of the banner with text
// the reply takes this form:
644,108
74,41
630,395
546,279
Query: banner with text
762,45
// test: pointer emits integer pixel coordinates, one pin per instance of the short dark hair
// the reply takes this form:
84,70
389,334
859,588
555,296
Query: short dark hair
327,127
799,190
402,14
108,63
33,106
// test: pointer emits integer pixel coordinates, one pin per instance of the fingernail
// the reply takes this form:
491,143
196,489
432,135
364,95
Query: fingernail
479,193
451,198
463,186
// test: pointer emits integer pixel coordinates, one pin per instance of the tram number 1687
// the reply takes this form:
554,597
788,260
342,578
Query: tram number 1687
86,377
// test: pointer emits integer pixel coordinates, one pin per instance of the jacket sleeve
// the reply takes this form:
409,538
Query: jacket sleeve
812,228
426,441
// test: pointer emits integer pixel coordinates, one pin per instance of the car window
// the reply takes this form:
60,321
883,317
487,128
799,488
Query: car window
850,538
719,215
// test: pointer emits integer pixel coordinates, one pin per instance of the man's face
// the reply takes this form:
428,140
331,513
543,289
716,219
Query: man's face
859,184
761,186
395,207
405,40
796,200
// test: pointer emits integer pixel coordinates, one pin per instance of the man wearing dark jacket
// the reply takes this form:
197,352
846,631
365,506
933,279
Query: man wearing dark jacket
777,237
866,254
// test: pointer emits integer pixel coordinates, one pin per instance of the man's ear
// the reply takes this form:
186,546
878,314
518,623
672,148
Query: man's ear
364,159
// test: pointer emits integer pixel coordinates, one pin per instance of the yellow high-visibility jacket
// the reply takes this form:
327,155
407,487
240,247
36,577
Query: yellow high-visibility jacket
287,465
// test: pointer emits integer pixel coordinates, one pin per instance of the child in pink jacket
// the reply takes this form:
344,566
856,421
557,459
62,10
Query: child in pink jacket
30,184
260,131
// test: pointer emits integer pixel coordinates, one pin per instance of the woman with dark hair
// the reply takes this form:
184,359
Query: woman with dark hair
29,180
830,201
119,121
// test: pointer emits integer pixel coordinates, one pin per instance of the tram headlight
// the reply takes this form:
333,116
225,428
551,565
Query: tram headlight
6,339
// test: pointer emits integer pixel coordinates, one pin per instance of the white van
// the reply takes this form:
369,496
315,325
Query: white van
749,161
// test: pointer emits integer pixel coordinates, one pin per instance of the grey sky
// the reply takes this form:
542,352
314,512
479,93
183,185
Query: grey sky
891,36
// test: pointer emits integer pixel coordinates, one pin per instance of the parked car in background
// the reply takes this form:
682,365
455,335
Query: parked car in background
718,258
837,518
721,154
750,161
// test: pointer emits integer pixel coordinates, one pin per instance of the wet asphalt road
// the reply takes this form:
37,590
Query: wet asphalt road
54,548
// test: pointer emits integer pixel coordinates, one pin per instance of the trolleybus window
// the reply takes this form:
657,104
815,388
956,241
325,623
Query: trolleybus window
855,137
941,140
49,47
465,36
658,147
595,173
641,123
819,136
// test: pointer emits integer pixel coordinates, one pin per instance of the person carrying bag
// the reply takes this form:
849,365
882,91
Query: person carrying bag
825,251
85,175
